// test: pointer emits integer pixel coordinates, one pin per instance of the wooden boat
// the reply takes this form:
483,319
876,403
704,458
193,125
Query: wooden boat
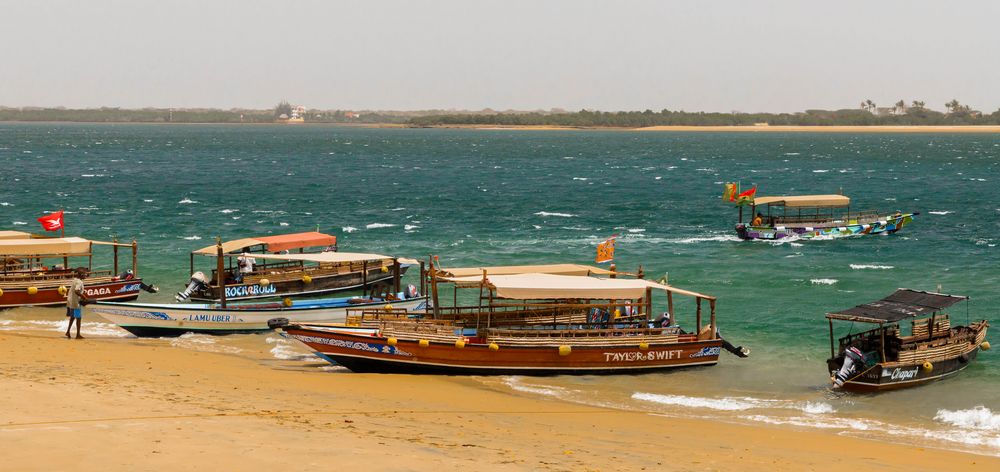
304,273
883,359
37,271
813,216
175,319
523,323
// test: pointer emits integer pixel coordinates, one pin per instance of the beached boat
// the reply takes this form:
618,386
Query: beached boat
239,273
532,323
175,319
883,359
814,216
37,270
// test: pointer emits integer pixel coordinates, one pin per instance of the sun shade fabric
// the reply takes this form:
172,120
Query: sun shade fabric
45,246
902,304
278,243
554,269
7,234
556,287
801,201
326,257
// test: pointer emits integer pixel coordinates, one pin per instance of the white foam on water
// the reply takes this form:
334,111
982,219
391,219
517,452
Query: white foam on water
735,403
980,418
282,224
724,404
823,281
348,229
706,239
202,342
147,200
941,212
6,204
820,171
547,213
410,227
518,384
379,225
636,230
581,178
398,209
19,223
226,211
192,238
791,154
871,266
89,328
283,349
186,201
658,178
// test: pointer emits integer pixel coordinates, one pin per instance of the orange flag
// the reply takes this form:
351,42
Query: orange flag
606,250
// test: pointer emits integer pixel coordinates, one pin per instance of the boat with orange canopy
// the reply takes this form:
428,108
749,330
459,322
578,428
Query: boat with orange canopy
288,265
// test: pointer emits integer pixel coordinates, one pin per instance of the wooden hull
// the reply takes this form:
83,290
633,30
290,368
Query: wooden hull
361,353
176,319
894,376
885,225
48,292
295,287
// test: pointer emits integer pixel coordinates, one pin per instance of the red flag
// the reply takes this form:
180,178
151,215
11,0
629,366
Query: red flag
53,221
748,194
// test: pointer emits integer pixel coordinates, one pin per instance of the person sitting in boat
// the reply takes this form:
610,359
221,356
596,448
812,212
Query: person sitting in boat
245,263
757,220
665,320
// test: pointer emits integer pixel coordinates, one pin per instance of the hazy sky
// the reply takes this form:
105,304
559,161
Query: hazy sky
612,55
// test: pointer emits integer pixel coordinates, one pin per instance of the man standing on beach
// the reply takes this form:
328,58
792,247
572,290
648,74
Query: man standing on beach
74,310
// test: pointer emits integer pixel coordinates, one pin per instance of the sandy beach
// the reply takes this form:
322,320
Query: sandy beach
830,129
130,404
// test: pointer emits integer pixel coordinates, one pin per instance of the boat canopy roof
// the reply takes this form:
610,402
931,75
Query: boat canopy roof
554,269
329,257
7,234
72,246
902,304
276,243
534,286
802,201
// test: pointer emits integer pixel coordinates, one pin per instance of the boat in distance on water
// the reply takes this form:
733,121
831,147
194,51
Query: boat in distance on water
883,358
30,276
525,323
280,266
812,216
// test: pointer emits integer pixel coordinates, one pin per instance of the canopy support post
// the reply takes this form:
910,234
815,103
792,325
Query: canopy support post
115,251
364,278
423,279
711,304
395,274
698,313
434,289
670,306
649,304
219,269
832,353
135,256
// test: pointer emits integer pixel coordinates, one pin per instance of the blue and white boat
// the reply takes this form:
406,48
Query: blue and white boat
175,319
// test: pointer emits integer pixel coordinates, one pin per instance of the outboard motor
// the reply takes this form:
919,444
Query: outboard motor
412,292
853,359
198,281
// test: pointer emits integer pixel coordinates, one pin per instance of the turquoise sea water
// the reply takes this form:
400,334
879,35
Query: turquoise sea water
514,197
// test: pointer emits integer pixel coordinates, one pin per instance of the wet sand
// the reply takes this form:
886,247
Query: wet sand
129,404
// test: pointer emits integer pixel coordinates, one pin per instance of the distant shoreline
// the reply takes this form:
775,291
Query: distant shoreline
989,129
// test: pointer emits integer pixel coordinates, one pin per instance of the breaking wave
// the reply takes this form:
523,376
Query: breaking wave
547,213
